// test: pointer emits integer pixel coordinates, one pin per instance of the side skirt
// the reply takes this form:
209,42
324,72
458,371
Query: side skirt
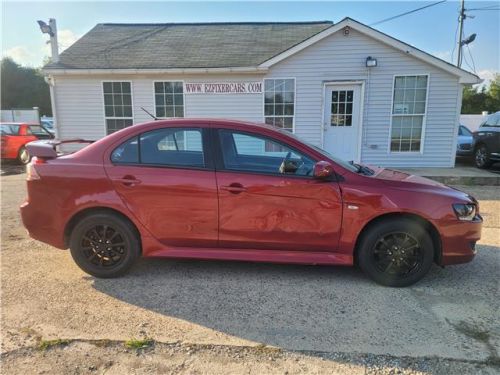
271,256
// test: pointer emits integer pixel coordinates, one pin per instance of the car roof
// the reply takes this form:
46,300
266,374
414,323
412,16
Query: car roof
207,122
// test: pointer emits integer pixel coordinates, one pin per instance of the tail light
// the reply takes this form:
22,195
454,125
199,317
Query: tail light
31,173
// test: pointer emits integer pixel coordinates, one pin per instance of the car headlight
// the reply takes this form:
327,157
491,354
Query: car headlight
465,211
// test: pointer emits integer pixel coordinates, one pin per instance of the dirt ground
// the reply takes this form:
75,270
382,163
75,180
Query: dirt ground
228,317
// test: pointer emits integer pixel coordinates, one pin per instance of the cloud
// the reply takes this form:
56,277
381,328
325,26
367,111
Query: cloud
19,54
65,38
487,76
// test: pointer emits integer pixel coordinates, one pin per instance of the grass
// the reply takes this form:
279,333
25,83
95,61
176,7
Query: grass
139,344
47,344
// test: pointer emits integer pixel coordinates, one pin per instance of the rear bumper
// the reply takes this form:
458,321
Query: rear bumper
41,226
458,240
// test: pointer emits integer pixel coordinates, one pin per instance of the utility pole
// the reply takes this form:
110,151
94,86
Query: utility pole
54,47
461,19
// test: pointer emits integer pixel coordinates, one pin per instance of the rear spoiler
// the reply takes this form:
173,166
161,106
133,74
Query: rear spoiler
46,149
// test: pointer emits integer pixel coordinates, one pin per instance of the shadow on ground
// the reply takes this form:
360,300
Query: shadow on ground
10,168
469,162
316,308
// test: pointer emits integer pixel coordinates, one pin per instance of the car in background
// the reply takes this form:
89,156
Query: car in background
15,136
223,189
48,123
486,142
464,141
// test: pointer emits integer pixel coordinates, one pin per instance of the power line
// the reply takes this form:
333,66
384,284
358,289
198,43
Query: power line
485,8
406,13
472,59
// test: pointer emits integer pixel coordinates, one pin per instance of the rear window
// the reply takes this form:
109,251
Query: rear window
9,129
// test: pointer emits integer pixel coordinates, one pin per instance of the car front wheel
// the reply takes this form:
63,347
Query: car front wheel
104,245
481,157
396,253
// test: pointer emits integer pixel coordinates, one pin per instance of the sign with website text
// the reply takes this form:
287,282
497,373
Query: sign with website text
223,88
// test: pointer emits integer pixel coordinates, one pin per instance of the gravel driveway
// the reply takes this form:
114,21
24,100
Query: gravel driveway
228,317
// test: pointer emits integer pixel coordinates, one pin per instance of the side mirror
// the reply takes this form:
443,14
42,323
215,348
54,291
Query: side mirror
323,170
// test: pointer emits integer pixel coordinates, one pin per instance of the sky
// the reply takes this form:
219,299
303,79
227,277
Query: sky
433,29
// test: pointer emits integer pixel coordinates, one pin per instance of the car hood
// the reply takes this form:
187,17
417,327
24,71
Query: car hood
403,180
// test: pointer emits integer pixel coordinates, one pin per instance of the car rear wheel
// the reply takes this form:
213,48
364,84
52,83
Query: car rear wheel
396,253
104,245
481,157
23,156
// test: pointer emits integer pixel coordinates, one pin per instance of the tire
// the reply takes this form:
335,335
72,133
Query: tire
481,157
96,257
396,252
23,156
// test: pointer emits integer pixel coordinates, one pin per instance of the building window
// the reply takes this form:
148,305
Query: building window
279,102
408,112
117,105
169,99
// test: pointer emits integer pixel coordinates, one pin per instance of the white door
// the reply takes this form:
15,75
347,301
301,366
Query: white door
342,121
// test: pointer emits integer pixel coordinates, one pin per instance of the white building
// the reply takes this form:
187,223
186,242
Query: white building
358,93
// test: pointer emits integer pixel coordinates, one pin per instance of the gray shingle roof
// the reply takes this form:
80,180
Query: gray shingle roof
199,45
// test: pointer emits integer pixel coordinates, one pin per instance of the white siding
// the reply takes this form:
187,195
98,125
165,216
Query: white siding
80,107
80,111
342,58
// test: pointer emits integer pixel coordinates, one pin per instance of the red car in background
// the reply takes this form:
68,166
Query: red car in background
14,136
220,189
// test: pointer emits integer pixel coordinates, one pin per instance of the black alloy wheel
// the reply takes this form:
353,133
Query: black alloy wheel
396,251
104,244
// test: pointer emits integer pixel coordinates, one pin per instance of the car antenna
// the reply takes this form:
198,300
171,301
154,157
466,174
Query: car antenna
149,113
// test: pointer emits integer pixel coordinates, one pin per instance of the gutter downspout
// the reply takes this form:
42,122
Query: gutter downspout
51,82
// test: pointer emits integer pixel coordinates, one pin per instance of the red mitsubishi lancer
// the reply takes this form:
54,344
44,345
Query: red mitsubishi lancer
220,189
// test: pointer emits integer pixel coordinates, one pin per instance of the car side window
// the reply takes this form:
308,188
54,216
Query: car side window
127,152
174,147
253,153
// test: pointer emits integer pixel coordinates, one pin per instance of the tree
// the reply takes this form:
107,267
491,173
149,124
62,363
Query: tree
474,101
23,87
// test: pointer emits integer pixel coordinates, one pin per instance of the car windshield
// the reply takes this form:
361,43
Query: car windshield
38,130
345,164
47,124
493,121
9,129
463,130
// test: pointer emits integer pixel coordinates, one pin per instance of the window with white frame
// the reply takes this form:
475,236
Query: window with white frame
169,99
117,105
408,112
279,102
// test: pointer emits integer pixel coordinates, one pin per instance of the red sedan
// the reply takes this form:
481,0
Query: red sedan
216,189
15,136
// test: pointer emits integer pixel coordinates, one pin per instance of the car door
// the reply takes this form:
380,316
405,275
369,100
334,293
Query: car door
166,179
268,198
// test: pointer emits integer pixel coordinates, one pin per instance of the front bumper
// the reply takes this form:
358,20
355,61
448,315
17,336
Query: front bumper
458,240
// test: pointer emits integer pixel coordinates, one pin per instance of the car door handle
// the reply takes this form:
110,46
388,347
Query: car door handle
234,188
128,180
